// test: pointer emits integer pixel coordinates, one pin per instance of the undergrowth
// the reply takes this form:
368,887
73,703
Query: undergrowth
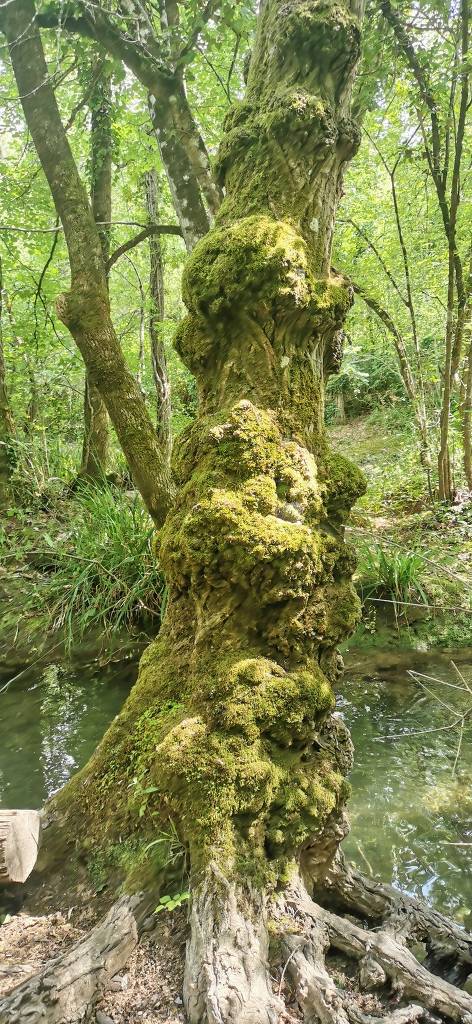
391,574
87,562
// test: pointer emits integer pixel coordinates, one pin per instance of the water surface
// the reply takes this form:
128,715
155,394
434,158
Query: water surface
411,812
50,724
411,809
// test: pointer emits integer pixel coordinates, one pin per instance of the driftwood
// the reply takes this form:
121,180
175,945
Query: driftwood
65,990
19,837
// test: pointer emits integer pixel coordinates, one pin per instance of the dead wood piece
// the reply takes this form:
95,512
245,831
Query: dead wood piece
64,991
404,1015
19,837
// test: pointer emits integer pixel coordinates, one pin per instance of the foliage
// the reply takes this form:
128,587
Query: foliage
403,540
172,902
391,574
93,562
368,379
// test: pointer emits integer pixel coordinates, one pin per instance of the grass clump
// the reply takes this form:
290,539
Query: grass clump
106,575
391,574
87,563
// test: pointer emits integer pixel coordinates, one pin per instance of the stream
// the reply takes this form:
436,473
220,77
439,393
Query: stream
411,807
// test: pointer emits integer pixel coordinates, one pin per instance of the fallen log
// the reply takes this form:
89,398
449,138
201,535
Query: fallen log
19,838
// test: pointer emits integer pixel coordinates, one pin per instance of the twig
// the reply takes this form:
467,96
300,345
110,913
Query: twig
433,679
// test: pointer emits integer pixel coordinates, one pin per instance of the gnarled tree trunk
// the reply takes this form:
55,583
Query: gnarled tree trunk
229,731
231,718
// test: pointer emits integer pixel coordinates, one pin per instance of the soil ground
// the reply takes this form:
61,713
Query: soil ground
148,991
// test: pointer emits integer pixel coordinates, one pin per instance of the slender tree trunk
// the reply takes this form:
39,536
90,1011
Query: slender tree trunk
85,309
7,428
438,162
467,401
96,442
169,112
157,312
417,401
340,417
446,490
96,435
231,720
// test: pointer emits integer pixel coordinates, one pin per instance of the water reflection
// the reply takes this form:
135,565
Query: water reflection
411,817
411,812
49,727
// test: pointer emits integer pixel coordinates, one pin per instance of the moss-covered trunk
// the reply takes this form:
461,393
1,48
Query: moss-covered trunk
229,728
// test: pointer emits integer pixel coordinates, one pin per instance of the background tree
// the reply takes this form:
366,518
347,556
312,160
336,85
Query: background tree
96,429
6,418
417,148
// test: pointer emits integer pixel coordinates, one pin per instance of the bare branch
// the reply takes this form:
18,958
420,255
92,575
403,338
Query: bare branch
152,229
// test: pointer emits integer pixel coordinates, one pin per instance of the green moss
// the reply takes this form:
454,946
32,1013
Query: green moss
228,732
256,259
240,760
344,483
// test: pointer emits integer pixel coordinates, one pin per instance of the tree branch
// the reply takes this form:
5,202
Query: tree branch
152,229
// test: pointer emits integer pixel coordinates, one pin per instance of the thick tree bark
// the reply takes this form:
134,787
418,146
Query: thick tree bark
96,427
157,312
230,731
85,309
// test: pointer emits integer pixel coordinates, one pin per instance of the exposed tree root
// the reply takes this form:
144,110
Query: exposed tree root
316,992
67,988
381,957
228,979
349,890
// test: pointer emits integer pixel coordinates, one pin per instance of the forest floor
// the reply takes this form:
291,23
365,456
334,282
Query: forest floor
415,555
148,991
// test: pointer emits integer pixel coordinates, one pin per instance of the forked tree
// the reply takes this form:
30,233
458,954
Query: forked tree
229,731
